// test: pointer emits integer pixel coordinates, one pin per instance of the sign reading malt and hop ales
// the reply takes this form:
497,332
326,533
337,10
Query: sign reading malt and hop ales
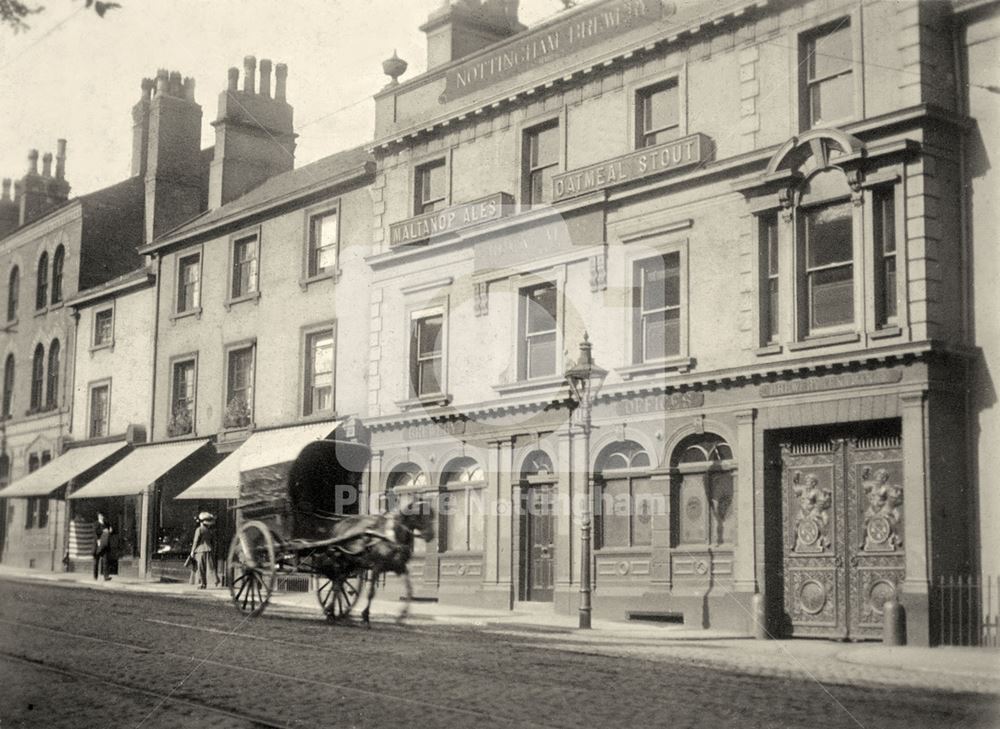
533,49
450,220
646,162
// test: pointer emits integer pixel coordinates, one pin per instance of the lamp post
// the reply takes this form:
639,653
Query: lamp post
585,379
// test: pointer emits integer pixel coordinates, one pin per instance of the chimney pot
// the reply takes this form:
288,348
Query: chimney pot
6,188
176,85
33,162
249,74
189,88
280,76
47,164
147,87
265,77
234,79
61,159
162,81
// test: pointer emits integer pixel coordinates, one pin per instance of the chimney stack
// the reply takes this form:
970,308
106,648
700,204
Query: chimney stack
140,127
460,28
254,134
171,163
36,194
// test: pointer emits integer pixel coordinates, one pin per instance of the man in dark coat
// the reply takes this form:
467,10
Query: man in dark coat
102,547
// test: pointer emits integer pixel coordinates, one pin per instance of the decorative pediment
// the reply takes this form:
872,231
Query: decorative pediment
817,149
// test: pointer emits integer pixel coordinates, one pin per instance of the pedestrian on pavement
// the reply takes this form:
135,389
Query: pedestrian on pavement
102,547
203,549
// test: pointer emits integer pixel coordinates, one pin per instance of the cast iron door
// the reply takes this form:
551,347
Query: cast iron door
843,535
541,547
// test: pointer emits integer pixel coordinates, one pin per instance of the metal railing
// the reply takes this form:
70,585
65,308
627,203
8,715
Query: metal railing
968,610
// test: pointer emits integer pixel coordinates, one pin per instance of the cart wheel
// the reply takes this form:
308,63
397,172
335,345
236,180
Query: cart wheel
337,596
250,568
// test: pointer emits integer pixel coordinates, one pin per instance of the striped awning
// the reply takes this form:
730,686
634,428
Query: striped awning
60,470
263,448
132,474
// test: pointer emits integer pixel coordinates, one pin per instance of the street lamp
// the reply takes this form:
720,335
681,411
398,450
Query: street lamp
585,379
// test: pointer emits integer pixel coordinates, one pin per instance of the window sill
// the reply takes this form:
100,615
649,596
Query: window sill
195,312
318,416
228,434
539,383
331,275
768,349
423,401
609,551
10,325
671,364
41,312
825,341
885,332
56,305
110,346
229,303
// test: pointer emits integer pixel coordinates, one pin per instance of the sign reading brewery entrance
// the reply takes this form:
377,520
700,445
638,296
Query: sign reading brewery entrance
646,162
531,50
450,220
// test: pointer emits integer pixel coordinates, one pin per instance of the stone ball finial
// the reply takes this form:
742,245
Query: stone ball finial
394,68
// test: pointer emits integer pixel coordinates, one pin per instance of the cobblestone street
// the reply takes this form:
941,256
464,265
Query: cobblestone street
75,657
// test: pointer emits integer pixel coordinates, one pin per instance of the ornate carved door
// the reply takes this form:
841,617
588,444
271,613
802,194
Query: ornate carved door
843,535
541,543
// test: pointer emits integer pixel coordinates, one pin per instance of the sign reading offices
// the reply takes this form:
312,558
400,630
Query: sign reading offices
549,43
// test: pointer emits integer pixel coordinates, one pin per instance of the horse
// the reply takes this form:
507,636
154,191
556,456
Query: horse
384,543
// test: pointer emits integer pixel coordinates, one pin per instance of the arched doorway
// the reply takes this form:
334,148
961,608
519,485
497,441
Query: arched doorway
537,526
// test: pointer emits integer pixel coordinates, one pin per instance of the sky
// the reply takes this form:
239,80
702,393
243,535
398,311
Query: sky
75,76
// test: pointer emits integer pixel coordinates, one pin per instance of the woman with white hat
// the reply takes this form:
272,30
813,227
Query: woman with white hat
203,549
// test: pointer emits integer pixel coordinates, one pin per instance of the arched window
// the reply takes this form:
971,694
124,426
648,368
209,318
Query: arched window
8,385
461,506
42,281
37,377
537,467
58,261
704,491
625,502
406,482
12,293
52,385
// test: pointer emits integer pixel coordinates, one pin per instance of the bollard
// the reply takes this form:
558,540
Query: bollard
893,623
759,617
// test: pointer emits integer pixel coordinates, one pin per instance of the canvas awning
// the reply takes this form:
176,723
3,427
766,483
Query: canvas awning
263,448
62,469
132,474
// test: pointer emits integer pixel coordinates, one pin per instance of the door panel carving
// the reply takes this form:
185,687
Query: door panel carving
843,535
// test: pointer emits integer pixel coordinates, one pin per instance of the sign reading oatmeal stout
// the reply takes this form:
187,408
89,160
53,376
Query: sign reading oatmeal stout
831,382
450,220
647,162
548,43
659,403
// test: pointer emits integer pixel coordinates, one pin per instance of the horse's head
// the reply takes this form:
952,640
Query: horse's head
419,517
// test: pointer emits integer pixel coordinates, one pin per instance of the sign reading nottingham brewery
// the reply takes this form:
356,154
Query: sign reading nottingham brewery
548,43
646,162
450,220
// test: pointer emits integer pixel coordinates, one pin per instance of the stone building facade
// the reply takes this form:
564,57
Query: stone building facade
744,206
